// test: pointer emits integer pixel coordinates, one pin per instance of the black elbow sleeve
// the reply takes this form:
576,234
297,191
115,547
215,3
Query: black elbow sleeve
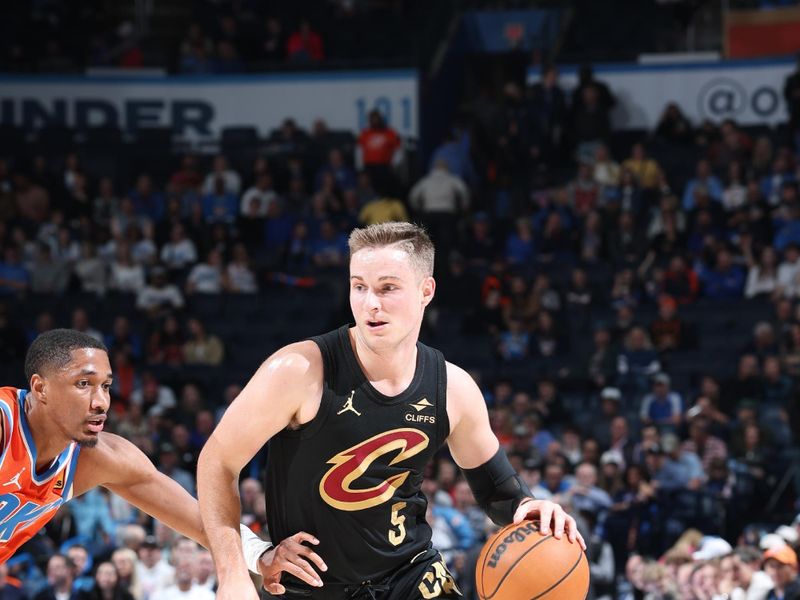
497,488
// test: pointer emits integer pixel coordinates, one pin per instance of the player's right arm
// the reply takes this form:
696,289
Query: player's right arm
286,390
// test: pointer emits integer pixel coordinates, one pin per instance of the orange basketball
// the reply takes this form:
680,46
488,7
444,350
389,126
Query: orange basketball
519,563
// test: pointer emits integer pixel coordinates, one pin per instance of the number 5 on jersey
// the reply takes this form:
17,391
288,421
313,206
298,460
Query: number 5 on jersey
396,537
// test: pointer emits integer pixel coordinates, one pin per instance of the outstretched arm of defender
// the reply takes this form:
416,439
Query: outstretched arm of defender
496,486
283,389
118,465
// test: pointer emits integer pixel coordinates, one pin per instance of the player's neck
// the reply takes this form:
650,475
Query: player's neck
389,370
47,438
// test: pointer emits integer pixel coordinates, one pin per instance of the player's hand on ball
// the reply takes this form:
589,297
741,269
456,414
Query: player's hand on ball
551,517
291,556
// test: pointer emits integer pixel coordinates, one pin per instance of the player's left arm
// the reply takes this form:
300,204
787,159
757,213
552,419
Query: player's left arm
118,465
498,489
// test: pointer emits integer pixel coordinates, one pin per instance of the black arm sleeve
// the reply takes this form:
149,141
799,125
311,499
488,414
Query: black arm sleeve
497,488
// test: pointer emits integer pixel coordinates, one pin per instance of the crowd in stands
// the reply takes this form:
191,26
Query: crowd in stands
221,37
629,307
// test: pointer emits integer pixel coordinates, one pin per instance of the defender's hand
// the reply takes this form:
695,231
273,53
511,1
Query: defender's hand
292,557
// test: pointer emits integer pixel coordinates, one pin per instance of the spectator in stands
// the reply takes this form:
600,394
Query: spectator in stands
186,179
179,252
734,196
668,329
733,145
79,321
637,361
381,210
673,126
520,248
762,276
201,347
159,297
625,248
788,284
207,277
439,199
646,170
606,171
726,280
780,175
220,206
791,93
126,562
168,463
789,231
704,180
226,59
763,344
549,113
663,406
513,343
684,460
583,191
59,579
165,344
305,44
106,585
258,197
10,587
601,365
707,447
232,181
344,176
585,495
781,565
205,571
240,275
90,270
273,43
147,201
49,276
377,145
591,120
32,200
14,277
126,276
330,250
65,249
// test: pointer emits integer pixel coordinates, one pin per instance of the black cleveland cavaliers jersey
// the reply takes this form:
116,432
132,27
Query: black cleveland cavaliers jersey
352,475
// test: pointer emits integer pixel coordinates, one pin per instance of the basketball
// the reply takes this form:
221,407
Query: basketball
519,563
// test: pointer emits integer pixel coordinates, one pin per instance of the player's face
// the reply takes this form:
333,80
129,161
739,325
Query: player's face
78,395
387,295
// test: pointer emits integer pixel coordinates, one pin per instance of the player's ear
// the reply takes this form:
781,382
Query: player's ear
428,290
39,385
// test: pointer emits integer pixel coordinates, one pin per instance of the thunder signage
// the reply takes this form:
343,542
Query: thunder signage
199,107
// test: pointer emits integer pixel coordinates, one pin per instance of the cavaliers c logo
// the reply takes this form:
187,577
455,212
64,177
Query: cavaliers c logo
335,487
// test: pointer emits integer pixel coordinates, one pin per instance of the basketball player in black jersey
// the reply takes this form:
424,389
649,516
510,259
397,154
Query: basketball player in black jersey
351,418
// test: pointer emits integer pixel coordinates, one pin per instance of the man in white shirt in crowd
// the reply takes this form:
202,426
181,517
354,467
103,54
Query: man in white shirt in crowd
185,587
152,571
256,200
233,182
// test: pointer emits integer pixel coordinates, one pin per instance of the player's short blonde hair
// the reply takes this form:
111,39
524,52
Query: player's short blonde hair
407,236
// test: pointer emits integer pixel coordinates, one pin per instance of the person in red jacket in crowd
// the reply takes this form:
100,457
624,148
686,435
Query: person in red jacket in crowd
377,145
305,44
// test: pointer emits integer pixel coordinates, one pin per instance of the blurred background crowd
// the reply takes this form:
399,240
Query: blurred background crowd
627,301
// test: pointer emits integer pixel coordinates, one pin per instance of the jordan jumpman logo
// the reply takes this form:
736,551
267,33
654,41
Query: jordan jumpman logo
349,405
15,480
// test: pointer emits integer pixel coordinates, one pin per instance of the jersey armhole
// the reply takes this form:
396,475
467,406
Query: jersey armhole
442,420
6,427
